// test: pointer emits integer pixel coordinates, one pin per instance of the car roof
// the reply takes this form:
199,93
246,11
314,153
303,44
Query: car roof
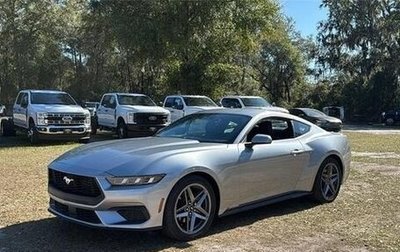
43,91
250,111
198,96
131,94
240,96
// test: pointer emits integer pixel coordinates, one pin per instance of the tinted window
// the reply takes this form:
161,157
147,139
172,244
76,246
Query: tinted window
314,113
230,103
19,98
255,102
300,128
277,128
52,98
140,100
199,101
209,127
169,102
106,101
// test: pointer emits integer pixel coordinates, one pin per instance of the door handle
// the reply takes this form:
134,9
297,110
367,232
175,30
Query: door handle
172,111
296,152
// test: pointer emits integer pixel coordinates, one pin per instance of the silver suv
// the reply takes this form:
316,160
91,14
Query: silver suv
52,115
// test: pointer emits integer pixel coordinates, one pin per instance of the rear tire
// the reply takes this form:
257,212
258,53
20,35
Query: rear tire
122,130
190,209
328,181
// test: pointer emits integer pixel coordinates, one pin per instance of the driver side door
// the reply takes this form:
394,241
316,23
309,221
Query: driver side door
268,170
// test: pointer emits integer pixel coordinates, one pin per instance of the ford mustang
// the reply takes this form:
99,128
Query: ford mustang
205,165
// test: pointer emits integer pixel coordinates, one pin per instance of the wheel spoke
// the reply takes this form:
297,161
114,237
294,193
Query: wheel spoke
202,211
181,209
200,201
326,190
332,187
192,223
201,216
190,193
181,215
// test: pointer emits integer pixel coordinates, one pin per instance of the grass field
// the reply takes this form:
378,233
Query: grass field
365,216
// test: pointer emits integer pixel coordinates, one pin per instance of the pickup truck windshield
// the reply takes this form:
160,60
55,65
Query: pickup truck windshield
255,102
52,98
199,101
141,100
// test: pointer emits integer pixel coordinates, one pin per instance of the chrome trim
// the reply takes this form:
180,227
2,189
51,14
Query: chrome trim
85,128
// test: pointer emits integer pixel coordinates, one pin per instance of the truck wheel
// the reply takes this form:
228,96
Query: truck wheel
122,130
32,133
389,121
94,127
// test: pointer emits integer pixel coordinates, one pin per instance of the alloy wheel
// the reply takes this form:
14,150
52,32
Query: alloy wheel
192,208
330,181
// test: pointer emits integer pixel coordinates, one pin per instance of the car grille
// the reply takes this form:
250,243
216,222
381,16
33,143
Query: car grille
60,119
73,212
151,118
79,185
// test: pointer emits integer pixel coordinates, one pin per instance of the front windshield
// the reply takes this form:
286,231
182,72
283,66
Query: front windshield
52,98
314,113
135,100
199,101
255,102
208,127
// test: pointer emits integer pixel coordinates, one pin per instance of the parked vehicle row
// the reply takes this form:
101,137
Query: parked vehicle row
46,114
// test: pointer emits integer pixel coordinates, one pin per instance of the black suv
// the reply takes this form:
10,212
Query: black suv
391,117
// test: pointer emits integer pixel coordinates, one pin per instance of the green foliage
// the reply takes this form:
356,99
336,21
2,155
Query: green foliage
155,47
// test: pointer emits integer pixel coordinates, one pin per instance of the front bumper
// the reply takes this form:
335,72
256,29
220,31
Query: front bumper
144,129
63,132
139,208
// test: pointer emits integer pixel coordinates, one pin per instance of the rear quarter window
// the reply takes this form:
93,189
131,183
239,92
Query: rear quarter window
300,128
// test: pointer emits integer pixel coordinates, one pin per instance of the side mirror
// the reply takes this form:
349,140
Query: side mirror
259,139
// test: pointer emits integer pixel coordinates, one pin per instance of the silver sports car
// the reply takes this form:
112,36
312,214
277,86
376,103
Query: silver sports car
205,165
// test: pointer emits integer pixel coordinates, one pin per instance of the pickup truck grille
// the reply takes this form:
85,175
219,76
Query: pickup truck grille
65,119
151,118
74,184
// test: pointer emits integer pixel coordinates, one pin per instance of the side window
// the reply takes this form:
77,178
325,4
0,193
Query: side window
231,103
112,103
106,100
277,128
178,103
19,98
24,100
300,128
169,103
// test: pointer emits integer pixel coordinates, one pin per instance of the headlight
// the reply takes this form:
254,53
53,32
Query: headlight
131,117
41,118
87,119
320,122
134,181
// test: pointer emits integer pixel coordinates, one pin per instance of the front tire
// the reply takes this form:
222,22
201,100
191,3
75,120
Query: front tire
328,181
32,133
190,209
122,131
389,122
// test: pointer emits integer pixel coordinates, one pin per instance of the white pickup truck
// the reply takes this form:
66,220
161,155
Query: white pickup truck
131,113
182,105
50,115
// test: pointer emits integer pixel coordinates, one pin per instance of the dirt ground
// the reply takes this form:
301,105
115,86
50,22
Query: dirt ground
365,216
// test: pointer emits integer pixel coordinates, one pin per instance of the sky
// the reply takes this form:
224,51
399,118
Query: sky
305,13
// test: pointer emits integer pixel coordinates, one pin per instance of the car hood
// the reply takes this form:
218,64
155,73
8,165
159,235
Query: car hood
329,119
125,157
50,108
144,109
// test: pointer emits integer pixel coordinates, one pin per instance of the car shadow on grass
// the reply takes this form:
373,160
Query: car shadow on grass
21,140
56,235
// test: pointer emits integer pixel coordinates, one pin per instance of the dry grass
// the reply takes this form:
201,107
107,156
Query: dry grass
365,216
